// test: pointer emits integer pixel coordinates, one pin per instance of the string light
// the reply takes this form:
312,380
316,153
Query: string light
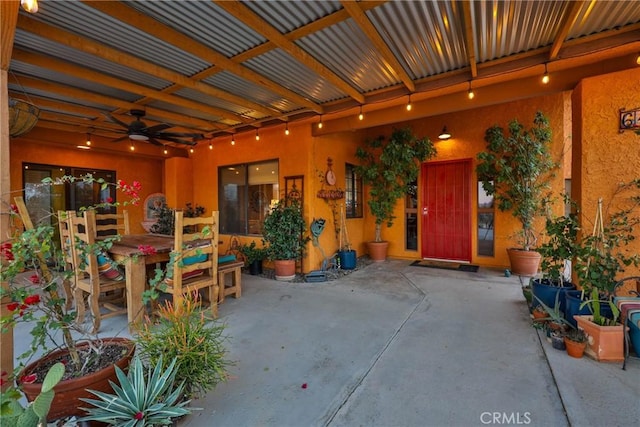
30,6
638,59
210,145
361,115
286,129
233,140
166,151
320,122
545,76
88,142
132,148
257,135
409,106
470,93
191,150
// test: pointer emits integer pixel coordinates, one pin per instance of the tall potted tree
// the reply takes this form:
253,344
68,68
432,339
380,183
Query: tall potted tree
283,232
388,165
517,169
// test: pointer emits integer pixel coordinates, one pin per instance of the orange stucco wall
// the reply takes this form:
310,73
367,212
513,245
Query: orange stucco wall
178,184
128,168
603,157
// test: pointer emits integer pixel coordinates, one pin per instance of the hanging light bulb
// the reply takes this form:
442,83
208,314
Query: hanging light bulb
320,122
638,59
233,140
166,151
191,150
210,145
132,147
257,135
286,129
30,6
409,106
88,142
470,93
361,115
545,76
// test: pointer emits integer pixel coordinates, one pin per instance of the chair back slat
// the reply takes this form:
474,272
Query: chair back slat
111,224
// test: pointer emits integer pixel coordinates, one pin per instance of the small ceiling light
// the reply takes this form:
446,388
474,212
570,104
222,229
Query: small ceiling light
257,135
361,115
470,93
88,142
444,135
286,129
210,145
545,76
233,140
320,122
30,6
409,106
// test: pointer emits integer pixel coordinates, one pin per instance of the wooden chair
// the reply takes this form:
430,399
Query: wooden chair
194,258
65,245
233,270
87,266
111,224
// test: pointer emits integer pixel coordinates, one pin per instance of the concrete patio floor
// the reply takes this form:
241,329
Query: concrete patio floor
398,345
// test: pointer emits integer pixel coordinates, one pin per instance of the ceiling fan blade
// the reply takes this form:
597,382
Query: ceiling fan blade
115,120
121,138
156,128
155,141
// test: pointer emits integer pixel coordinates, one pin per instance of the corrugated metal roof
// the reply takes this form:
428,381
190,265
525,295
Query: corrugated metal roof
600,16
205,22
83,20
39,44
283,69
16,87
214,102
253,92
286,16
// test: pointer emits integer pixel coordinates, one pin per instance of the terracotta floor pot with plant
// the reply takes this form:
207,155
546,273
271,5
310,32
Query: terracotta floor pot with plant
575,348
66,402
524,263
604,343
377,251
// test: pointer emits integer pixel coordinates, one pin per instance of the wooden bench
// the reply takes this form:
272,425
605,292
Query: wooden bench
233,269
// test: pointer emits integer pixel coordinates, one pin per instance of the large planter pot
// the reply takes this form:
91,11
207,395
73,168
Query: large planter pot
574,348
285,269
377,251
604,343
348,259
546,291
573,301
255,267
66,402
524,263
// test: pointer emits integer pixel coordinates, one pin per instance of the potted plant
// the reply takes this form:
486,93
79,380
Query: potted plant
183,336
33,267
253,257
388,166
145,397
517,170
605,335
284,233
575,341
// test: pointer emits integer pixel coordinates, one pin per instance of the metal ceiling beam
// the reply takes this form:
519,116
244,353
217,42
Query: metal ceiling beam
163,32
370,31
567,22
88,46
255,22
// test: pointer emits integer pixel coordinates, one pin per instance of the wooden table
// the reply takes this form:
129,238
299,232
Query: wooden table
126,252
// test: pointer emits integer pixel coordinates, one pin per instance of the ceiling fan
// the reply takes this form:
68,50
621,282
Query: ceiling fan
137,130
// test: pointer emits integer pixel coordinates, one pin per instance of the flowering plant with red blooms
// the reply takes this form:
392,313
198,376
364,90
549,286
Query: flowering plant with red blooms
33,272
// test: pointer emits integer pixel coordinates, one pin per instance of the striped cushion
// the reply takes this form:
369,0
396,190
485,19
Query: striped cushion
108,268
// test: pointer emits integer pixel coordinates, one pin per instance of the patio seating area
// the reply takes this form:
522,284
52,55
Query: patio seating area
396,345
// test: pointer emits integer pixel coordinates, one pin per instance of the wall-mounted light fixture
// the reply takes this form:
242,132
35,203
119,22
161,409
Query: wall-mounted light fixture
470,93
444,135
545,76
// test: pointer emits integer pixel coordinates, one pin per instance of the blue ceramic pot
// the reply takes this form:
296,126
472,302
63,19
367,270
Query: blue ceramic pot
573,302
546,291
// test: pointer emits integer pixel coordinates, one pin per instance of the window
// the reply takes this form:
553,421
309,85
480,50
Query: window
485,222
411,217
245,194
353,192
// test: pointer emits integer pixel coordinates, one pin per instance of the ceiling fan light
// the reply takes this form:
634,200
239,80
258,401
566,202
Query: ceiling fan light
138,137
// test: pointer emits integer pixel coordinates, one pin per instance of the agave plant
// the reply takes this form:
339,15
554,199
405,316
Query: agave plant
142,399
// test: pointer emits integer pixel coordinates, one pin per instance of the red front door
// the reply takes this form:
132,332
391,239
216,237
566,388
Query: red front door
446,210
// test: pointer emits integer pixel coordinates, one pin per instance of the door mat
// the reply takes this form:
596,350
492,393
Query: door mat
446,265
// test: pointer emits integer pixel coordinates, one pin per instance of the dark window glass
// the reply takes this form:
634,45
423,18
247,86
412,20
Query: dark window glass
485,222
411,217
353,192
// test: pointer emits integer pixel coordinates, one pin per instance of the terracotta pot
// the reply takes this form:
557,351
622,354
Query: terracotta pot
604,343
574,348
377,251
285,269
66,401
524,263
